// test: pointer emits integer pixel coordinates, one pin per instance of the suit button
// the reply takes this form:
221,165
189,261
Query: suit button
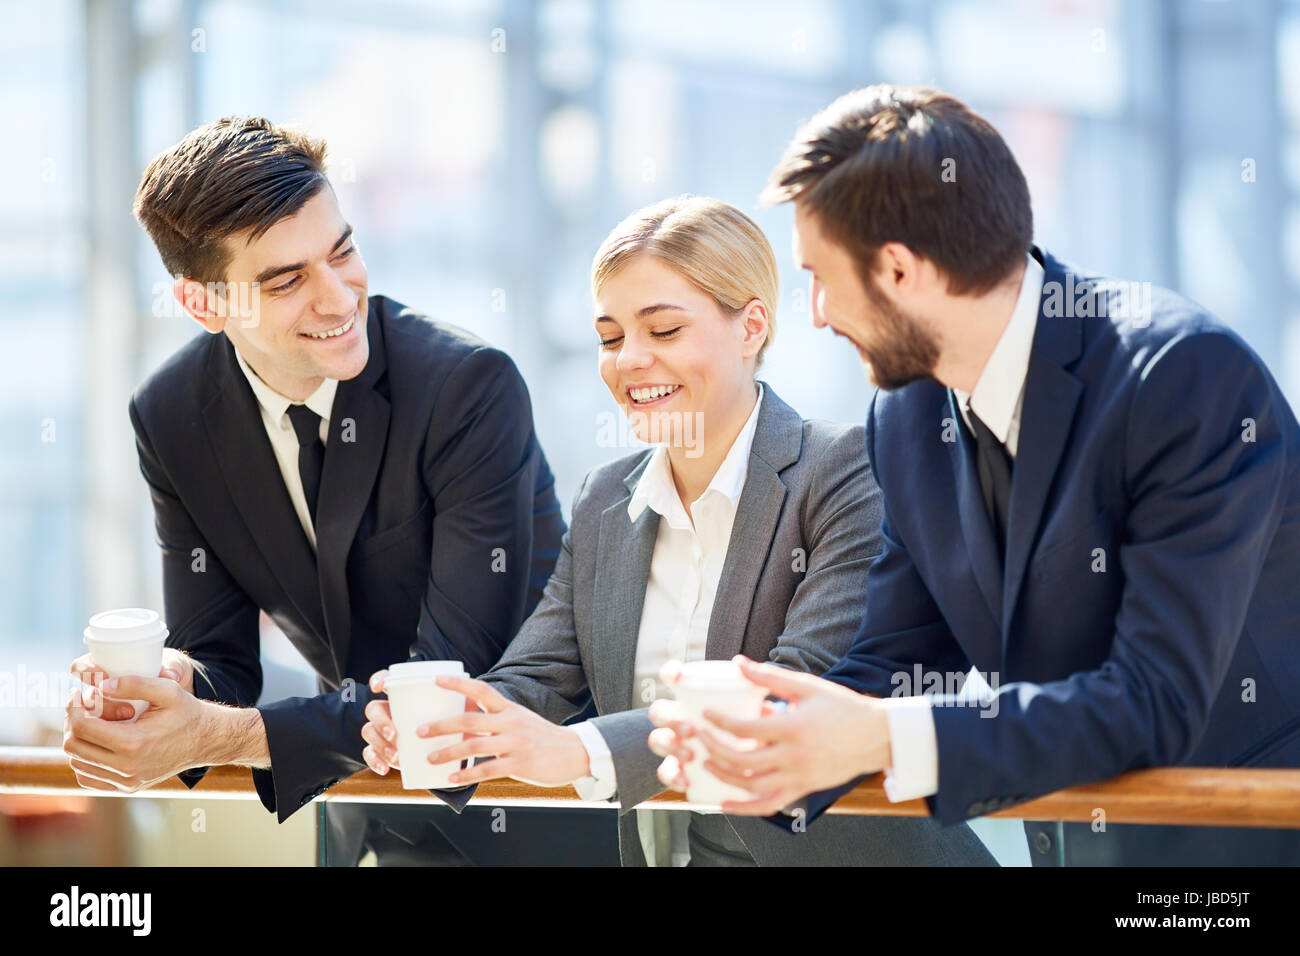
1042,842
975,809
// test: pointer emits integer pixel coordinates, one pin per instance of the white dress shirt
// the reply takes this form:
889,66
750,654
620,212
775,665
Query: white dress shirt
684,572
998,400
284,440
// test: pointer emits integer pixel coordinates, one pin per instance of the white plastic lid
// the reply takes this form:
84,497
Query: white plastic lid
410,671
713,674
125,626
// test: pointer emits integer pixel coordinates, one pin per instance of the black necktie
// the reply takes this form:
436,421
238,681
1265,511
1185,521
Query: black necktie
311,453
995,477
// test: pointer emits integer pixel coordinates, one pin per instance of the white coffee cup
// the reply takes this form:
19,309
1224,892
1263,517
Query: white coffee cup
127,642
719,686
415,699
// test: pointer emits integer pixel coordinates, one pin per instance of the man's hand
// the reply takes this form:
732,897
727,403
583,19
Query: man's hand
113,754
826,736
176,665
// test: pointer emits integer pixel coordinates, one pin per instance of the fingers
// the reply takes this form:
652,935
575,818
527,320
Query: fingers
751,780
671,672
374,762
743,756
380,714
109,735
84,669
93,757
385,754
761,729
488,770
156,690
377,680
497,745
476,722
88,782
763,805
670,713
105,776
781,681
487,696
96,704
665,742
670,774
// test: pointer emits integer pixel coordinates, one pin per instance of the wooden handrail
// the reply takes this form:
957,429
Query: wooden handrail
1193,796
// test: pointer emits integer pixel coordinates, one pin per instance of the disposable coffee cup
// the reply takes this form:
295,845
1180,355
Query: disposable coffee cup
415,699
718,686
127,642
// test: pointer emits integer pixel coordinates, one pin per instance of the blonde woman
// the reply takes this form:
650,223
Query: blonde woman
744,529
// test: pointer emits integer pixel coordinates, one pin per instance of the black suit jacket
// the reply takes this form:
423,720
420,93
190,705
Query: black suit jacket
437,528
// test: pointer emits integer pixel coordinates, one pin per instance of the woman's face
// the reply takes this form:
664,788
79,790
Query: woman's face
677,364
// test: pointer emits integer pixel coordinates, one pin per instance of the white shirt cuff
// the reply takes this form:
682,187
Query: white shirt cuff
600,785
915,753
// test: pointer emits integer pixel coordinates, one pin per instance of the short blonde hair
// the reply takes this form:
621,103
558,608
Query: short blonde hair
715,246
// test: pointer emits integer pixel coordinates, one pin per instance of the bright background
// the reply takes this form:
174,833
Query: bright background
482,149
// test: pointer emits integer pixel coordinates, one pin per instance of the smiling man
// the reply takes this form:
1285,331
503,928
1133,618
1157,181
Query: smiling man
1091,503
366,476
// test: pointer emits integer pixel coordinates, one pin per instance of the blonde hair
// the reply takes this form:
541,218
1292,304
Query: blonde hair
715,246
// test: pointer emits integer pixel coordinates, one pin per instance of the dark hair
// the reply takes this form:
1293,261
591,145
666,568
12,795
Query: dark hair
911,164
223,178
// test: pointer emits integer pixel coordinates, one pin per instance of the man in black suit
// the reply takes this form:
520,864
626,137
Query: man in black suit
368,477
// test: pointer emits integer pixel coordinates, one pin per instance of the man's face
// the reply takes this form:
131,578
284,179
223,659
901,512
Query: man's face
895,347
311,281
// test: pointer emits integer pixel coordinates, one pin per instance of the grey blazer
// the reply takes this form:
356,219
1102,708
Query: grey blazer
791,592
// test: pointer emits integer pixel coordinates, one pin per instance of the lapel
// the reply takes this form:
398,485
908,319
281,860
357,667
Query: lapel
778,439
623,553
357,439
1051,396
977,529
244,457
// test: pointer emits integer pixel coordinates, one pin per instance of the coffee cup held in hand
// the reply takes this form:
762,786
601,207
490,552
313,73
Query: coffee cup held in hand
415,699
127,642
719,686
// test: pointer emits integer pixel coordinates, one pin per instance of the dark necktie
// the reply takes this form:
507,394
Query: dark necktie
311,453
995,477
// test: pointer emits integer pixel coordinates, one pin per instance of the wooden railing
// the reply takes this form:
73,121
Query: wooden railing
1196,796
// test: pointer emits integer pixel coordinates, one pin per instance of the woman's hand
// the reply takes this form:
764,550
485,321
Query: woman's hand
527,747
672,731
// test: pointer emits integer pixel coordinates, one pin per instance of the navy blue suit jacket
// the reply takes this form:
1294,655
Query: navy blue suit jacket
437,528
1148,613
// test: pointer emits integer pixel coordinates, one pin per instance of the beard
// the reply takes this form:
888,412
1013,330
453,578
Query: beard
905,351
